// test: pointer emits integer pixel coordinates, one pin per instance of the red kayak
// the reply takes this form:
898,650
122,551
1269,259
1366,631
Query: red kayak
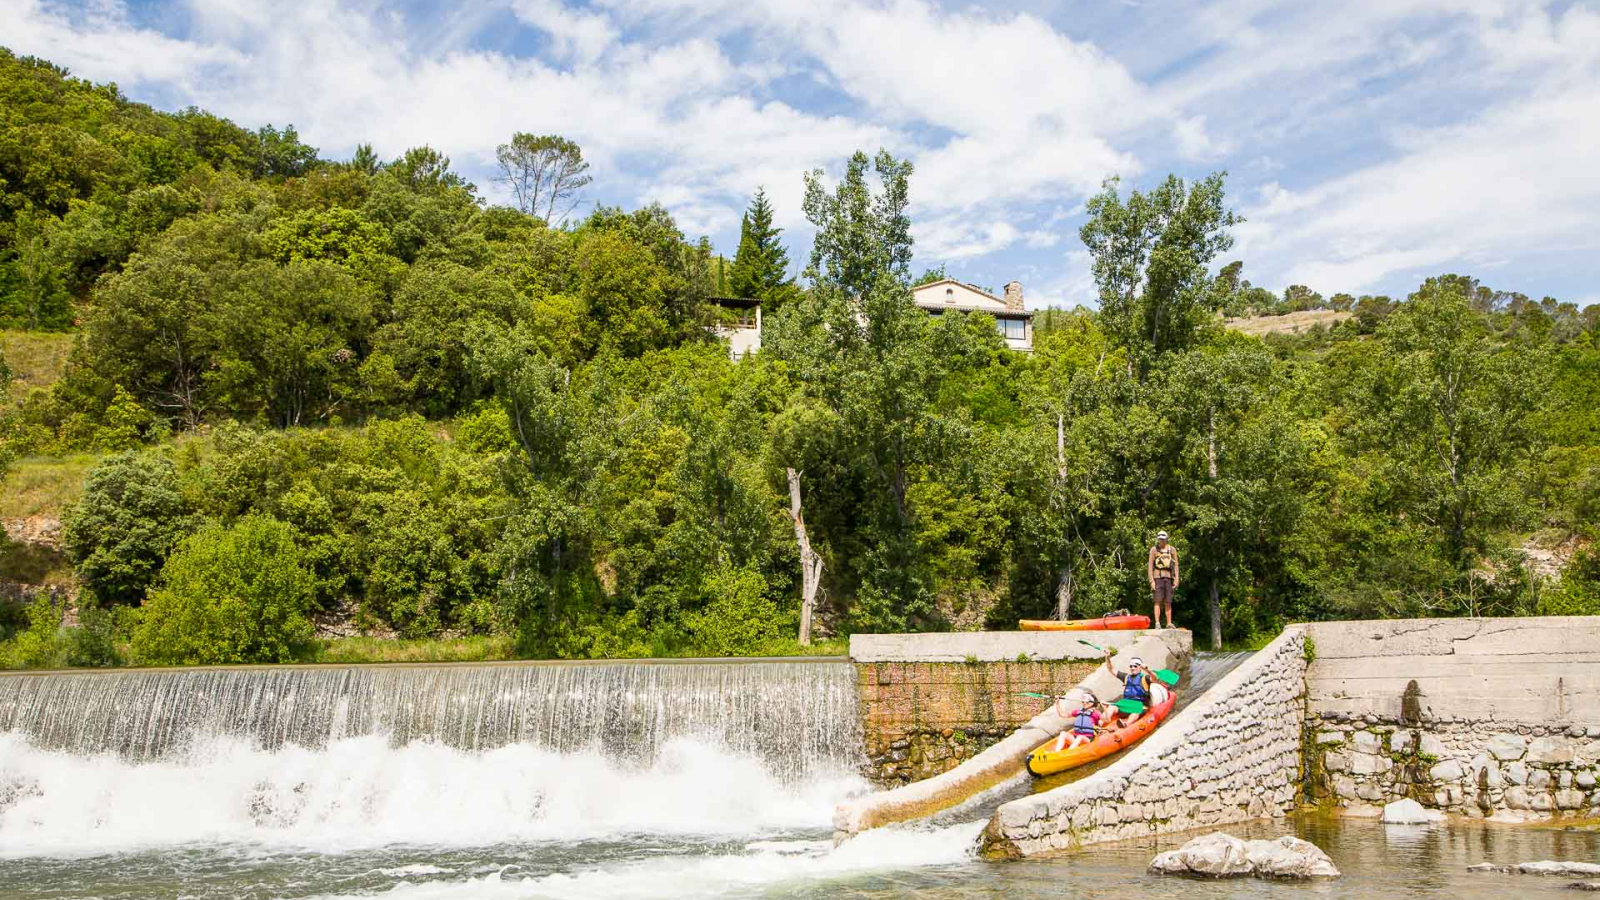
1104,623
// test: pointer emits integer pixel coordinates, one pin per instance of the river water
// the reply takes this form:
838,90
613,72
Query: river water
649,782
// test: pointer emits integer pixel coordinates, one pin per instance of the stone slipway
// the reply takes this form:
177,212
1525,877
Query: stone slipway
1160,649
1231,755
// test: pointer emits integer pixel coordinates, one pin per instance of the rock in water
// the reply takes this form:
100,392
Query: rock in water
1409,812
1584,886
1217,855
1542,867
1289,857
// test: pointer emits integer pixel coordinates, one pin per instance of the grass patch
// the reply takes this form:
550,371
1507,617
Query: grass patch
479,648
44,486
36,358
473,648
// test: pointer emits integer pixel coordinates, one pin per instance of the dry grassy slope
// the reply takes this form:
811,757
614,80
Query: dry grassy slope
35,358
1290,323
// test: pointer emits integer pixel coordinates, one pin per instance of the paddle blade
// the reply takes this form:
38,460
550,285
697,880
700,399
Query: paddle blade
1128,705
1167,676
1035,695
1096,646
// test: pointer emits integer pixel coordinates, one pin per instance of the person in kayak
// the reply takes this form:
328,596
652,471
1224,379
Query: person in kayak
1135,685
1162,570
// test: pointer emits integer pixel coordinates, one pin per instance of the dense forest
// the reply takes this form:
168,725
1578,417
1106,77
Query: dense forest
354,392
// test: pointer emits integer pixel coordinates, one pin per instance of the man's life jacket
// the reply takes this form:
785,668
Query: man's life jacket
1084,723
1163,561
1133,689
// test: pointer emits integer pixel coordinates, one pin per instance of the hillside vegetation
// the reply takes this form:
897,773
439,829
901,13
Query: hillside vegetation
302,397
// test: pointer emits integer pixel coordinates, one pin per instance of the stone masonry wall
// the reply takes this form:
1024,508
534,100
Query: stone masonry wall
1480,768
1486,718
1230,756
923,718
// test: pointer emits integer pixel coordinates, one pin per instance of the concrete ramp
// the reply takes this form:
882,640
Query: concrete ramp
1004,760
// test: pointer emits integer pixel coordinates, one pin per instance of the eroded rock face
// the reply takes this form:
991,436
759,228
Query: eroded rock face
1289,857
1217,854
1220,855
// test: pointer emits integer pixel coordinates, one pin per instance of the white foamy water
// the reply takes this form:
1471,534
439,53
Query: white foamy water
364,792
762,866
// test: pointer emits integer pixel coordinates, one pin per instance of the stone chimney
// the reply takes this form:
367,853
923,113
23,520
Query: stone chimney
1014,297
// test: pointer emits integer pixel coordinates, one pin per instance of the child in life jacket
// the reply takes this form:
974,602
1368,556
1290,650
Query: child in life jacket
1086,721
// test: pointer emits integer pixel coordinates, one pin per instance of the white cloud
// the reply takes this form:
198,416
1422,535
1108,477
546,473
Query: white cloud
580,36
949,240
1040,239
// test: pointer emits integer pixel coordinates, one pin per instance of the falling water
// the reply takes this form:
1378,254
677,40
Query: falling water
799,718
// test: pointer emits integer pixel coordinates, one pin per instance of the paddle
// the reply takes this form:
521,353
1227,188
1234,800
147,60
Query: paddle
1167,676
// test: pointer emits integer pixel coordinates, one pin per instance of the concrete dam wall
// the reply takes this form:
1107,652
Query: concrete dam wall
1493,718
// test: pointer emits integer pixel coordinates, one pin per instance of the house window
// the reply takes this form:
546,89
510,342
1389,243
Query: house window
1013,329
949,295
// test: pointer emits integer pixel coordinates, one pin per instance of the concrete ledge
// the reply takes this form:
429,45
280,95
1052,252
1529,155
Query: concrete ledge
998,646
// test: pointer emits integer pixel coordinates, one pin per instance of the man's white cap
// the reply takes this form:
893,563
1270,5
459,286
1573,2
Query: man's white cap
1136,661
1161,534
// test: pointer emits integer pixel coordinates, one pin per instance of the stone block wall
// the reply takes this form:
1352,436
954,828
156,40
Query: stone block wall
923,718
1230,756
1478,768
1490,718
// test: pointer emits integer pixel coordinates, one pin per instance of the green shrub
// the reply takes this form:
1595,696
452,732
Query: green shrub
130,517
37,646
738,619
93,644
229,594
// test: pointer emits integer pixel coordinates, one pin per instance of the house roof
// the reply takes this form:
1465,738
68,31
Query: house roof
744,302
999,310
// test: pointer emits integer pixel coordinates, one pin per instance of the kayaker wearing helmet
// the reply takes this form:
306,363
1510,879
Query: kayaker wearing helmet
1135,684
1163,573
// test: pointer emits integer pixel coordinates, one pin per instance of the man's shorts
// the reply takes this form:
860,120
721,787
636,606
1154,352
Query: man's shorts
1163,590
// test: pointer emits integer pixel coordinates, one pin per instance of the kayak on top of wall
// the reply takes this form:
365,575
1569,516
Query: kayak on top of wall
1054,756
1104,623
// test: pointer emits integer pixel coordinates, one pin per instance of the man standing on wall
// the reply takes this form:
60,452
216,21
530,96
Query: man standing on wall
1163,572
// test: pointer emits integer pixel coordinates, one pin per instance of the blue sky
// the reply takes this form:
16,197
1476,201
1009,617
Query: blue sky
1369,143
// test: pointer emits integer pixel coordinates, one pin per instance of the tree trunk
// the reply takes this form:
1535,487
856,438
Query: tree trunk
810,560
1061,445
1214,602
1064,593
1214,599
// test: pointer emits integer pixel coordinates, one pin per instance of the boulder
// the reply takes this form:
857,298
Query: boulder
1550,752
1584,886
1409,812
1449,770
1217,855
1289,857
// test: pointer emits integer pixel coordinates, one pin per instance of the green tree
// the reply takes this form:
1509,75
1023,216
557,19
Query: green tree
1151,254
229,595
761,265
119,533
544,173
863,236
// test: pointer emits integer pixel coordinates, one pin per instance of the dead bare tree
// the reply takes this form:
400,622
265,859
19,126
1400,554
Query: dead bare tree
810,560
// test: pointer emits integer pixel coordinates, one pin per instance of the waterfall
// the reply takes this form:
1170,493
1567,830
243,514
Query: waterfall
446,755
798,717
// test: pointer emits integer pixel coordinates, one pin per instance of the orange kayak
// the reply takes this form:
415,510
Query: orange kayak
1046,759
1104,623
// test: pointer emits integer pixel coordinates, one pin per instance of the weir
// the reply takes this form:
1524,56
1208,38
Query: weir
799,718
